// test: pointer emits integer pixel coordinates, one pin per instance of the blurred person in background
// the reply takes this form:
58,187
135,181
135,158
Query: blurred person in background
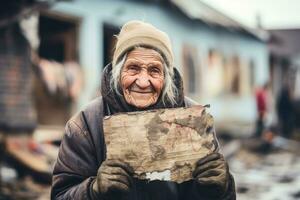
141,77
285,110
261,96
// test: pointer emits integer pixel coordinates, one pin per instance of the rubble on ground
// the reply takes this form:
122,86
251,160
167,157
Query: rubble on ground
269,172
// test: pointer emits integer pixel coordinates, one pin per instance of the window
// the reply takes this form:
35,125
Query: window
189,68
58,36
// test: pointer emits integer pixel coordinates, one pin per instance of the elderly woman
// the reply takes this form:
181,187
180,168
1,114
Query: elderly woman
141,77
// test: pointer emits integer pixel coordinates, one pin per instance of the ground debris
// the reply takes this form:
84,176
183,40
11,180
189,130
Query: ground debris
268,175
24,189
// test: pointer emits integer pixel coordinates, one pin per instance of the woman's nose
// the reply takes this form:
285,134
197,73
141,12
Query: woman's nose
143,80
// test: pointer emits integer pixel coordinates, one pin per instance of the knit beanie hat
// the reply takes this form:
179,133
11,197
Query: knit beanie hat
138,33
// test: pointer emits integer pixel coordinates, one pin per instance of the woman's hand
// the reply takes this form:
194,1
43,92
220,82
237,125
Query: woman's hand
212,175
113,177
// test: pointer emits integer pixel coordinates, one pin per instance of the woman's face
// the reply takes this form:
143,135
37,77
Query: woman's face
142,77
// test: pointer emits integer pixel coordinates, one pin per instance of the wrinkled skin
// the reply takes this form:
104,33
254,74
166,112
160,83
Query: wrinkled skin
142,77
114,179
212,174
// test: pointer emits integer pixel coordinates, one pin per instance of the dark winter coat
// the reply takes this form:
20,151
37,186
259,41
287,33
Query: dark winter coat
83,150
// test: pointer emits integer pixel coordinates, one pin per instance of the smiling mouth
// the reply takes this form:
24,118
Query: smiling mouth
142,92
136,89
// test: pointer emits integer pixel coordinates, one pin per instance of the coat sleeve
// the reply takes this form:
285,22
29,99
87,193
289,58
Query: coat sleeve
76,165
189,191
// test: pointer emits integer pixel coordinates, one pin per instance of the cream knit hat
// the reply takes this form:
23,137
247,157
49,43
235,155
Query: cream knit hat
138,33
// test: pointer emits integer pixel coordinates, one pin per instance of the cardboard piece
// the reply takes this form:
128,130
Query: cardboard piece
161,144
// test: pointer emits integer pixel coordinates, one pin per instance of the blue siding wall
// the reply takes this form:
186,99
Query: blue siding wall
181,31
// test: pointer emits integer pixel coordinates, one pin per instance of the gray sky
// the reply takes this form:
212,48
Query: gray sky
273,13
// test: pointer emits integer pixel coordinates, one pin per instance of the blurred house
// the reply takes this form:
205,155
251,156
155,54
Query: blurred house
33,93
221,60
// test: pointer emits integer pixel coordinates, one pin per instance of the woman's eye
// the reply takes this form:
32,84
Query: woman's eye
155,70
133,68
